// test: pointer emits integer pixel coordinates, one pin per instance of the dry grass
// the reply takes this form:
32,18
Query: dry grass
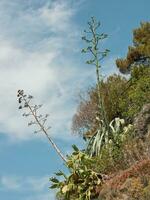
133,176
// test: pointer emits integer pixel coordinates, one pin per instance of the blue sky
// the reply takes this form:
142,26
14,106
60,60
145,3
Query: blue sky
40,45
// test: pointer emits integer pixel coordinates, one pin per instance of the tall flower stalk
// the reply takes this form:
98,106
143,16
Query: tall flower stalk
39,120
93,39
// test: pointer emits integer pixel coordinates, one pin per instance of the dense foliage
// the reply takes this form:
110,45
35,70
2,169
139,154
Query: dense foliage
85,118
122,98
139,53
137,94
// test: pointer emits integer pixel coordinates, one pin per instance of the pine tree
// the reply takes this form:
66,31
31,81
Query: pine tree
139,53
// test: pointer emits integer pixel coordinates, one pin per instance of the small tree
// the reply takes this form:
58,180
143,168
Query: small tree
139,53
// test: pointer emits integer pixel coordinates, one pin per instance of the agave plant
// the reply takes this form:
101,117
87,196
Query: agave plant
116,133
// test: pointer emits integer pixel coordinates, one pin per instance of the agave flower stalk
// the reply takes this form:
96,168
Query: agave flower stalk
39,119
93,42
97,56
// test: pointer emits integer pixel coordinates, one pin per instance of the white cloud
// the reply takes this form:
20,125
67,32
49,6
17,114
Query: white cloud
36,54
56,13
20,69
17,183
38,74
37,186
9,183
39,69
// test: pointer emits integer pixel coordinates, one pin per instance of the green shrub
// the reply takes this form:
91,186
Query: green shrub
137,94
82,182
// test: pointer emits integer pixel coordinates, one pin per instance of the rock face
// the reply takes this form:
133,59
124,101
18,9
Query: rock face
142,122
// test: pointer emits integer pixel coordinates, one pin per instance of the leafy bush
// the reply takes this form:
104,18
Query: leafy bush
82,182
137,94
112,88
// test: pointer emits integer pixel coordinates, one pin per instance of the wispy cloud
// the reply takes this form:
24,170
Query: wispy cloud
36,47
20,184
9,183
37,186
38,43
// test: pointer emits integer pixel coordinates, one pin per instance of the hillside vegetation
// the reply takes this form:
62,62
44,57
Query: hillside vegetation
114,118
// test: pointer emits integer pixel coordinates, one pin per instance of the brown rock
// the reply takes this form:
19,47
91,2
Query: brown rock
142,121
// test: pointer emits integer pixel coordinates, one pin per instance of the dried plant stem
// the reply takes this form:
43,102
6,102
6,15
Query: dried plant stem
45,132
